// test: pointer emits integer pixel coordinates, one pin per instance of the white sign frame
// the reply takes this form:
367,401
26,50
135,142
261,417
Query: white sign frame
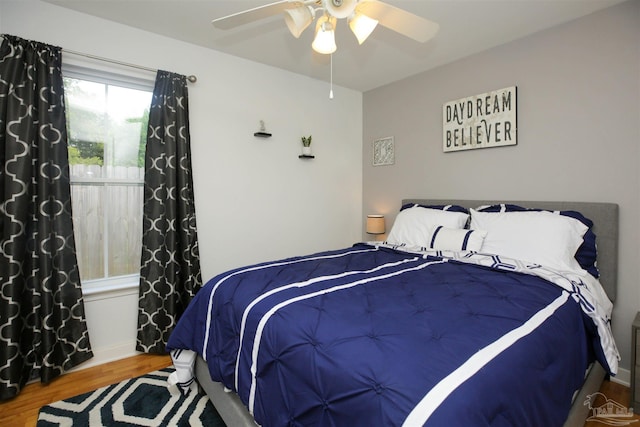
481,121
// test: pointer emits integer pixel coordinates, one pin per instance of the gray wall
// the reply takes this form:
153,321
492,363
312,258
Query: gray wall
578,132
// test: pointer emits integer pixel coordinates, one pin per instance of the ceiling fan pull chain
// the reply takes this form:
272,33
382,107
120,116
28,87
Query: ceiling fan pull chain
331,82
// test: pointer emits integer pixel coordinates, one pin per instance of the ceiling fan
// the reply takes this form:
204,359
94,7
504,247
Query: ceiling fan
362,15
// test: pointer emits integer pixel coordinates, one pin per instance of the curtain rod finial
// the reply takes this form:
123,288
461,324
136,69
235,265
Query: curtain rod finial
192,78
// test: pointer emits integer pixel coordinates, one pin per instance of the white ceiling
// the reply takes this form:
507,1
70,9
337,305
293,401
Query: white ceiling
466,27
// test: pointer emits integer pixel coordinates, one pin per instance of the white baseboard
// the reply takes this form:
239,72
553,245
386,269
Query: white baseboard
623,377
109,354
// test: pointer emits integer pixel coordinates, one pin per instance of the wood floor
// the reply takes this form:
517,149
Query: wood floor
23,410
618,393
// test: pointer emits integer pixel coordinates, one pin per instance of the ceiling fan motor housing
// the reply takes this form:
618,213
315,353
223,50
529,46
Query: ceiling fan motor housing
340,8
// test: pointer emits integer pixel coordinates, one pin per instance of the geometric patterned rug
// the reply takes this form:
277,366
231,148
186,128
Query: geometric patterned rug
140,401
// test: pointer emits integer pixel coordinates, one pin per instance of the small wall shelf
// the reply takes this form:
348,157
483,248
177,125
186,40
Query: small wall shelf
306,156
262,134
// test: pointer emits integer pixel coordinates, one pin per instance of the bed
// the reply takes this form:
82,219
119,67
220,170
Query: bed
417,333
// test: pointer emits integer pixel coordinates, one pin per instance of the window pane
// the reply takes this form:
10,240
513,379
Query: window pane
125,229
88,225
86,122
128,112
107,128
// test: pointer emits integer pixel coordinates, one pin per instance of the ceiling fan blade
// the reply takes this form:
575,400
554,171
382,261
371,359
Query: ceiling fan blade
255,14
399,20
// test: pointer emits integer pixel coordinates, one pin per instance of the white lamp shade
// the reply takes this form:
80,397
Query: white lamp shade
325,40
298,19
362,26
375,224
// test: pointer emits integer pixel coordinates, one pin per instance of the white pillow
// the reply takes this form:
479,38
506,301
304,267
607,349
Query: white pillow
456,239
414,226
545,238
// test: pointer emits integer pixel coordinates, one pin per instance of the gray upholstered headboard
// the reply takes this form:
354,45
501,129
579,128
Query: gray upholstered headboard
605,227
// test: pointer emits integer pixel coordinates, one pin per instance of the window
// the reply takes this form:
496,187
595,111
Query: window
107,126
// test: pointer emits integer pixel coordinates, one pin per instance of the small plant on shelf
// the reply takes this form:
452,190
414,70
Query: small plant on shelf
306,145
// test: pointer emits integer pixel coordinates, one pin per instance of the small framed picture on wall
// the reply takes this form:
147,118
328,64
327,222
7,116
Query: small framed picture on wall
384,151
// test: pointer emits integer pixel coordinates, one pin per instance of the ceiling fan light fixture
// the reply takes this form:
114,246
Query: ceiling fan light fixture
325,40
340,8
362,26
298,19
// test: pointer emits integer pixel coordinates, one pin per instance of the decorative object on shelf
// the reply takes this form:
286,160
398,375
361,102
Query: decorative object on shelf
263,131
306,145
375,225
384,151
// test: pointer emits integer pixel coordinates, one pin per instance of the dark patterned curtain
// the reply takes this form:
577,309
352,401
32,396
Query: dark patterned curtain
170,266
42,325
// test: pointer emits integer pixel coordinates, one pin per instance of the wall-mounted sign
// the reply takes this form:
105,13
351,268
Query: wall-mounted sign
480,121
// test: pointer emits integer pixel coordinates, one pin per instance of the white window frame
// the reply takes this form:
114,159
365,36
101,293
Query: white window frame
117,76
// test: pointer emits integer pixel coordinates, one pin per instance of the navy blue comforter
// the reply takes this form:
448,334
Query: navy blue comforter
371,336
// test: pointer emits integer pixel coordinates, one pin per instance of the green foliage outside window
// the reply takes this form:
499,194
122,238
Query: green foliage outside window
100,131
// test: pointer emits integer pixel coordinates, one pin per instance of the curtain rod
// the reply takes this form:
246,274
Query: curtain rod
191,78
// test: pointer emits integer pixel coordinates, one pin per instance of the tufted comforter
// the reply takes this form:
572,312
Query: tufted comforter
374,336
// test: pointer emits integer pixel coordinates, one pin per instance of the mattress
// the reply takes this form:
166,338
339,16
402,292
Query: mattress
376,335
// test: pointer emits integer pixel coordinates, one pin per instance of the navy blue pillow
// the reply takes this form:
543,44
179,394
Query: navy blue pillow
587,252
